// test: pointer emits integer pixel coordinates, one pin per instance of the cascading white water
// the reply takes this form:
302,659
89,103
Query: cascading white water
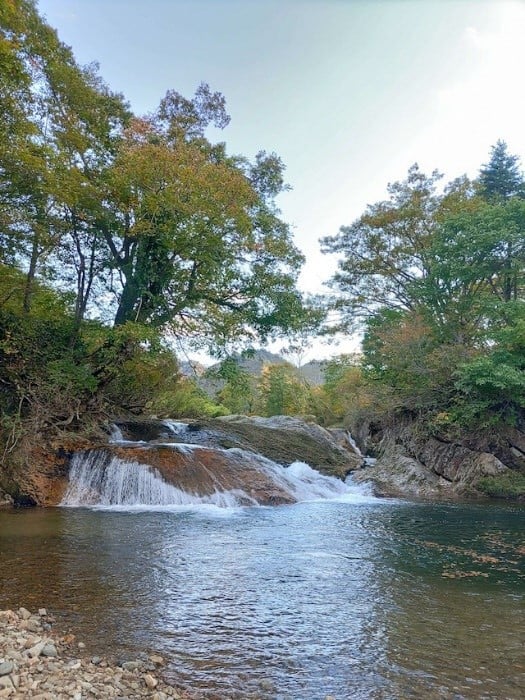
97,478
175,427
353,444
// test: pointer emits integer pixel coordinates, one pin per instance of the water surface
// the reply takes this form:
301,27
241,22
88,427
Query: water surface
362,599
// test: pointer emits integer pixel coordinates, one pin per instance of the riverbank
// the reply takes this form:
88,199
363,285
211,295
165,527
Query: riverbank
37,663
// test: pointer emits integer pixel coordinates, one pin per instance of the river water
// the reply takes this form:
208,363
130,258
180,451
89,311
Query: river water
355,598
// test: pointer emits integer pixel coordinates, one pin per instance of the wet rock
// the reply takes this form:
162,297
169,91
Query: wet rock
131,665
156,659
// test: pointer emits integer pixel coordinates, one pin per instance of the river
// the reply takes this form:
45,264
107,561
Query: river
355,597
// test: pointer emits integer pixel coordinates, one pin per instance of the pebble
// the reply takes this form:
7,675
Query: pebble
24,613
150,681
37,664
49,650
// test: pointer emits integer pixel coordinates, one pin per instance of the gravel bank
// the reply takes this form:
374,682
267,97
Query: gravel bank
37,663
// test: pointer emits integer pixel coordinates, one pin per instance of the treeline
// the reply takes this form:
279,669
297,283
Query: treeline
118,231
435,277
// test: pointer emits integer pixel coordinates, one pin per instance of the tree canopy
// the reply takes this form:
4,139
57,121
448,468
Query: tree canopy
141,219
435,278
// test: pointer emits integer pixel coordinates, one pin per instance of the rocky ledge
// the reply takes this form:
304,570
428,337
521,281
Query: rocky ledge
414,464
36,663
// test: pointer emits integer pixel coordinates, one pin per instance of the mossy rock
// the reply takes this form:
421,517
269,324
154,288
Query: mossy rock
510,484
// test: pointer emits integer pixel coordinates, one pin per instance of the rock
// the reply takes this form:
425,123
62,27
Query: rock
35,651
6,668
33,625
156,659
131,665
267,685
30,668
81,645
415,464
150,681
42,612
24,613
49,650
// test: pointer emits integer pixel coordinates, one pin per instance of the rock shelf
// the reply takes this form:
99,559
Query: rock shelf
39,664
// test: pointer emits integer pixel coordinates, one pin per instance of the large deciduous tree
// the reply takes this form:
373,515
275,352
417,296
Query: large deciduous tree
194,234
386,250
185,237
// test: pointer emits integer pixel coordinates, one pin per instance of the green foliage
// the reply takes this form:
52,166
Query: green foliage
238,393
438,280
282,391
185,400
146,211
492,386
501,178
510,484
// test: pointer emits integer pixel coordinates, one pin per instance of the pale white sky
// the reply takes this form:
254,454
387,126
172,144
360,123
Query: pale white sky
349,93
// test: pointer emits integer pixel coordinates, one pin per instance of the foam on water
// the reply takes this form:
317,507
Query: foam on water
175,427
98,479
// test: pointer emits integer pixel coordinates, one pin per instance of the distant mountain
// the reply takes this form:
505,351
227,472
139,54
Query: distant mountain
253,363
192,369
313,372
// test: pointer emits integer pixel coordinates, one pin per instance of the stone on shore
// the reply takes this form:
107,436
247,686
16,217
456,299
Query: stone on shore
37,664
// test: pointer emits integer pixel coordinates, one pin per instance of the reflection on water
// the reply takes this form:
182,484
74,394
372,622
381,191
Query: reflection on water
376,600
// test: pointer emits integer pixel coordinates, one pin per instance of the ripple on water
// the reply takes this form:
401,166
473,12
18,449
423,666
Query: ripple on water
352,599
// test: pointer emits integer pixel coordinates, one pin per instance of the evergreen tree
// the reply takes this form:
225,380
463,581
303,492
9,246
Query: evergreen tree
501,178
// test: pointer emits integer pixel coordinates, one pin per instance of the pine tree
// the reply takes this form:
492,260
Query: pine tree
501,178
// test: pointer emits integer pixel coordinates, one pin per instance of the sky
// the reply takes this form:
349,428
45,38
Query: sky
349,93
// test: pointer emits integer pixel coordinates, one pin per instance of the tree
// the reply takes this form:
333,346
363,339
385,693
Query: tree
194,234
385,251
238,393
186,238
282,391
500,178
61,125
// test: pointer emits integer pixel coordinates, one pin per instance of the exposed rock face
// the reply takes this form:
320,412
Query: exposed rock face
283,439
417,466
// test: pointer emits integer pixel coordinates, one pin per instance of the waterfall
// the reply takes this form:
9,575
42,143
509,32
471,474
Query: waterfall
98,478
353,444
